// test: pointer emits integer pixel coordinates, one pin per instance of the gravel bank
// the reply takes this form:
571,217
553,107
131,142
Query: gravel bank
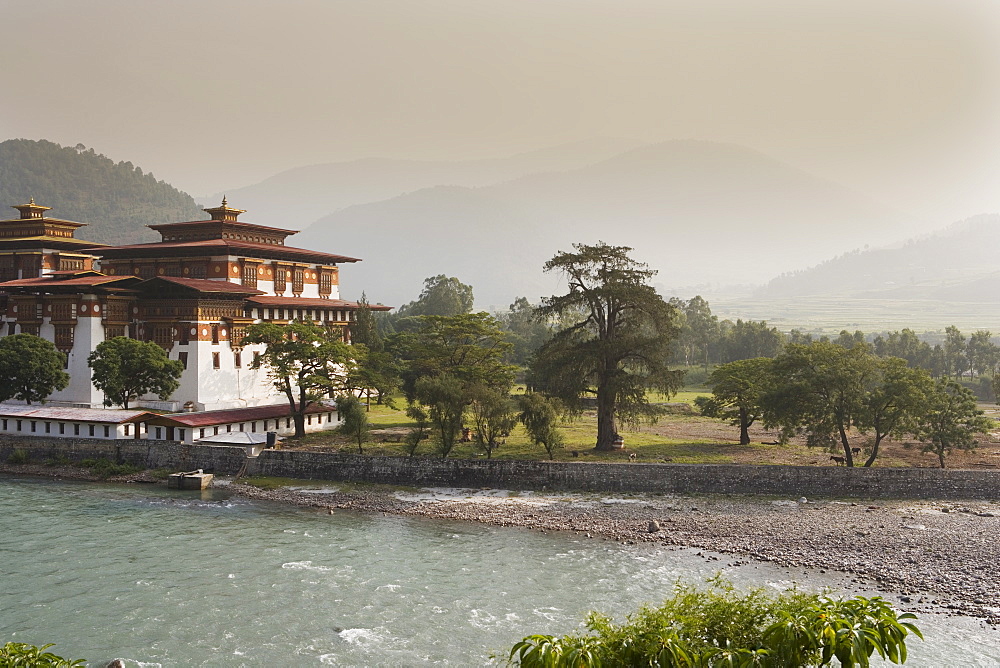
934,555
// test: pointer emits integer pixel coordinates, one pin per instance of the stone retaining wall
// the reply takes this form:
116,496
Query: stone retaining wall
789,481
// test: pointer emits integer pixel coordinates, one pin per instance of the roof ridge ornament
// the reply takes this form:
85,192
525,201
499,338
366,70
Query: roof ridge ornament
32,210
224,212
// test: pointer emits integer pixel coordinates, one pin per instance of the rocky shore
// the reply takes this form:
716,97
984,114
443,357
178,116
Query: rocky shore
933,556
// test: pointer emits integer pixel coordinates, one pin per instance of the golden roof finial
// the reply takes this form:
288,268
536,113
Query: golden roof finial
224,203
32,200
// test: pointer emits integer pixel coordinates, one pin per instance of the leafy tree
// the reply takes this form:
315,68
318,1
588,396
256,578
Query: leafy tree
493,415
524,330
375,371
906,345
719,628
956,361
951,420
737,388
364,328
442,295
305,362
893,402
445,398
540,417
469,347
799,337
747,339
848,340
31,368
821,390
354,421
126,369
421,419
22,654
621,346
983,354
699,332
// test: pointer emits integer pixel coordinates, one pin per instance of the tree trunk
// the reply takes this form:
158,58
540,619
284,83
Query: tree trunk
607,429
744,428
871,459
848,457
300,424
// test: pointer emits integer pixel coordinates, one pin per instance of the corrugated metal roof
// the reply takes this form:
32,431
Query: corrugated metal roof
72,414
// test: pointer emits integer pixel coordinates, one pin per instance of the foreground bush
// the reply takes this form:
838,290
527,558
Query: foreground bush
716,627
21,654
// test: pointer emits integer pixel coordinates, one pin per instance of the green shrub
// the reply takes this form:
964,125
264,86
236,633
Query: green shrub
21,654
59,460
715,627
105,468
19,456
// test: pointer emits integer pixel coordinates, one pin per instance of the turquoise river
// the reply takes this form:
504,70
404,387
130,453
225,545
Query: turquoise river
201,579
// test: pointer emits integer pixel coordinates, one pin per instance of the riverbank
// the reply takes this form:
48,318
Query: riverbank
935,555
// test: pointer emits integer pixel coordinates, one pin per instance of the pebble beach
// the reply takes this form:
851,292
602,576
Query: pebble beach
933,556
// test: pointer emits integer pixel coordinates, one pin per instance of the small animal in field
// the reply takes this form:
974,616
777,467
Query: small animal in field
855,451
839,460
631,456
574,453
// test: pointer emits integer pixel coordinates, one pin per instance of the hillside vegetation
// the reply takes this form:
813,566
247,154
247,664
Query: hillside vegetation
116,200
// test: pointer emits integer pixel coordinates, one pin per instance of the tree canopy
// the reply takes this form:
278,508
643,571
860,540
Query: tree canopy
722,628
31,368
620,346
442,295
305,361
951,420
470,347
125,369
737,388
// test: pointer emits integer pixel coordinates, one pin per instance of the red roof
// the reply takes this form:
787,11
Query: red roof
220,247
231,415
205,285
311,302
233,223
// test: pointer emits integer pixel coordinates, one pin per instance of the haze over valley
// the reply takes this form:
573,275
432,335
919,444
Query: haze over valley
775,157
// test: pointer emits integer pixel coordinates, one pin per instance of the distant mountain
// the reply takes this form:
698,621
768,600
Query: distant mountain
697,211
960,263
308,193
116,200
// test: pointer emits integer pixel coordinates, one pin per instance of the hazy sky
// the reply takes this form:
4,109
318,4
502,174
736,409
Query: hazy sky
897,98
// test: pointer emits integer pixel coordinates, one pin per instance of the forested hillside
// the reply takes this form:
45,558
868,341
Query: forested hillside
116,200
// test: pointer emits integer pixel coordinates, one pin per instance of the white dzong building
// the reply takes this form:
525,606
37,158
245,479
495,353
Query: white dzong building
193,293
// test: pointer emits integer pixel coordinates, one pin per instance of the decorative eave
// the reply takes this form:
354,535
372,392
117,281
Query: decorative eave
208,248
195,286
311,302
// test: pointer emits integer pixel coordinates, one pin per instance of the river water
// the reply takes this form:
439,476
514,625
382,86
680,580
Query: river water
174,579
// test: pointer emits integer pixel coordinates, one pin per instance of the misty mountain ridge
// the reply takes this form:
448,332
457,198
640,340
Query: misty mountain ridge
310,192
958,263
700,212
